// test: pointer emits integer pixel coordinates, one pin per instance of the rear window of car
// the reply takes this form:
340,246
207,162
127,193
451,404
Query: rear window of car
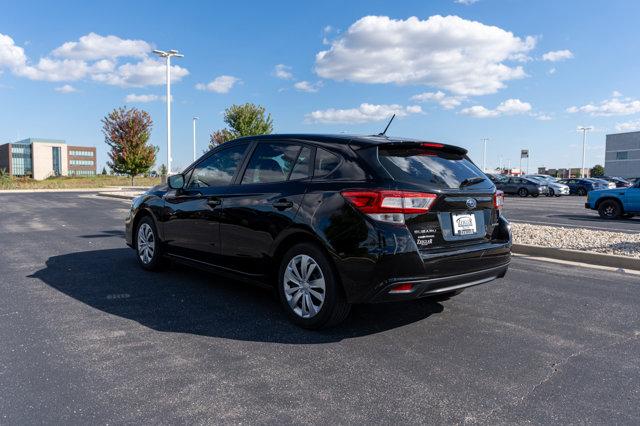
436,168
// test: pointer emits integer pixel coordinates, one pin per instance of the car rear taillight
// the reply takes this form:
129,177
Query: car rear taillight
498,200
390,206
403,288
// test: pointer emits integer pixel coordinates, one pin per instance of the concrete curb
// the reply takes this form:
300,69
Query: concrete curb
609,260
115,195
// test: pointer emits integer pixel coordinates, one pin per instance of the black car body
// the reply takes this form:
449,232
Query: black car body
380,210
522,186
618,181
583,186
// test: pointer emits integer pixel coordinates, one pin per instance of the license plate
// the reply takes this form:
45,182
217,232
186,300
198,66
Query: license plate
463,223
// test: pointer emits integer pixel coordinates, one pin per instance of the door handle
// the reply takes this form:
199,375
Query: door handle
214,202
283,204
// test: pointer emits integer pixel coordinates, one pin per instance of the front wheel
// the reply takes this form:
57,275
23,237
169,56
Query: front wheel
309,289
551,193
148,244
610,209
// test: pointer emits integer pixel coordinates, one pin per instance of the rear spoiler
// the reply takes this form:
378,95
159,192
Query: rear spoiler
429,145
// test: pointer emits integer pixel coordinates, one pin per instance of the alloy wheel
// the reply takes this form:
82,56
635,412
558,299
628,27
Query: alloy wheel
146,243
304,286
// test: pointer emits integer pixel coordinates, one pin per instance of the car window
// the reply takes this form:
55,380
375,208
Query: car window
218,169
301,169
326,162
271,162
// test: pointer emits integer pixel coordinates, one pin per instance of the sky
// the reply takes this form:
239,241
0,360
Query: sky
525,75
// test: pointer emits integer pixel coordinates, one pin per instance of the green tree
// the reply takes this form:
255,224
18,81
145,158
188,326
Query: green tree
127,133
242,120
104,170
597,171
163,170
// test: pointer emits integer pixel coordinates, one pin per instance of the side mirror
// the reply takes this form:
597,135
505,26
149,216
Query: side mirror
176,181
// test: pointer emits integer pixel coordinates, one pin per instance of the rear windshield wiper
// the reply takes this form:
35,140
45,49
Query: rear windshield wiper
471,181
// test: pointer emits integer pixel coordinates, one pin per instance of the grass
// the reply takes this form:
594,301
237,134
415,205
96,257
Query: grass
74,182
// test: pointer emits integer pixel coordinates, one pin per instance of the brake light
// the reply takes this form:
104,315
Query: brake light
498,200
431,145
390,206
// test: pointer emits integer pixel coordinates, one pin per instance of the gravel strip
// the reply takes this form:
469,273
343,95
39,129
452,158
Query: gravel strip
617,243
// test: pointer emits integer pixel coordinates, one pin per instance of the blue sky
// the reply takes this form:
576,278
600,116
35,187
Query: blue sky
523,74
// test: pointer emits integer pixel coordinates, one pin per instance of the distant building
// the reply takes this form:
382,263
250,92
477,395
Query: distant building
622,155
43,158
564,173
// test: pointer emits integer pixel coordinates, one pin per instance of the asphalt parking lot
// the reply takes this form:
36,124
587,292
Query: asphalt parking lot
563,211
87,336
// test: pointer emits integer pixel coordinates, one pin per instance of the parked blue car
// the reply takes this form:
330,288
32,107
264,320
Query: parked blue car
583,186
616,202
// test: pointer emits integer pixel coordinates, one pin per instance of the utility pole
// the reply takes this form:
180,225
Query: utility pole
167,55
584,146
484,154
194,137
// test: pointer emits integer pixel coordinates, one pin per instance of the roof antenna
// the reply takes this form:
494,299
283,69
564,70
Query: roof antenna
388,124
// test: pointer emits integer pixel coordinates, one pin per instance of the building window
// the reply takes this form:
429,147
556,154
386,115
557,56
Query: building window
81,162
77,153
622,155
21,164
82,173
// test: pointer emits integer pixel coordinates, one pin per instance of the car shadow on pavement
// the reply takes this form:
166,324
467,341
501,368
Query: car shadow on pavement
181,299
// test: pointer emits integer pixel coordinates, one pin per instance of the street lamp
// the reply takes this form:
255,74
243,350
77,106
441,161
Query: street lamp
194,137
484,155
167,55
584,146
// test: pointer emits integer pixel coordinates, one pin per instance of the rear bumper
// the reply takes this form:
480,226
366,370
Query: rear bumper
425,287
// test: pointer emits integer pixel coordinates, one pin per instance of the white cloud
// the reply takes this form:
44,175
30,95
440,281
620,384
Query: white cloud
305,86
283,72
466,2
508,107
552,71
628,126
220,84
446,102
67,88
542,116
616,94
92,57
94,46
362,114
557,55
133,98
461,56
609,107
144,73
11,56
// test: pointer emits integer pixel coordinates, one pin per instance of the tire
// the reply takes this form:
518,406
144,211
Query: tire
582,192
523,192
610,209
535,195
313,300
551,192
147,244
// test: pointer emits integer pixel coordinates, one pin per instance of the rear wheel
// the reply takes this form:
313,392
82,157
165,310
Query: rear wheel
582,192
309,290
610,209
148,246
523,192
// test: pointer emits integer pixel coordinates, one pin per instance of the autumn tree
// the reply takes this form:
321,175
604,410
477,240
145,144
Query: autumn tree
127,133
242,120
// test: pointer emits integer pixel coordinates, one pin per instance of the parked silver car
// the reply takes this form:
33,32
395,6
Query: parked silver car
555,188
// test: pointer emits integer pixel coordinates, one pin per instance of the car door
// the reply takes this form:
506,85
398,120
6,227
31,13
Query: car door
511,187
263,202
632,198
192,214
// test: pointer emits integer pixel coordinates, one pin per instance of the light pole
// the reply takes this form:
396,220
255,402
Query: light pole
484,155
194,137
167,55
584,146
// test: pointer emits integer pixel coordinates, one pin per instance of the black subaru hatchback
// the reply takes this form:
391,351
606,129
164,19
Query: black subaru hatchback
330,220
